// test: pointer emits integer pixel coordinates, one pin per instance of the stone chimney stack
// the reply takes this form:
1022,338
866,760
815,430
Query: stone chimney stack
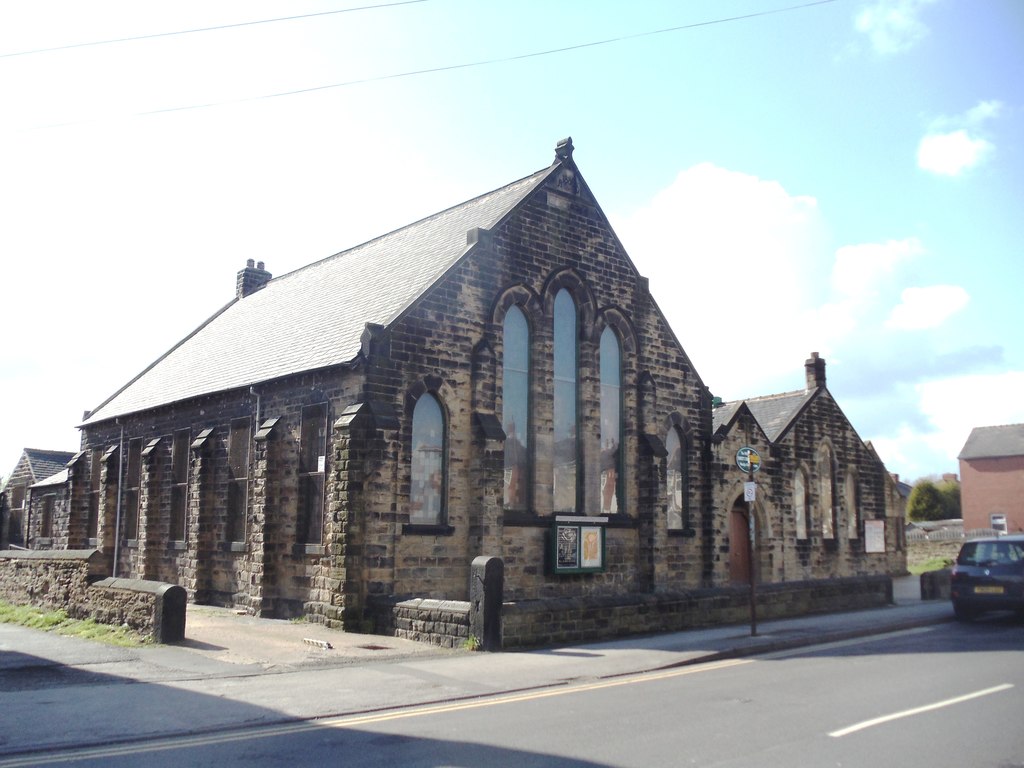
815,368
251,279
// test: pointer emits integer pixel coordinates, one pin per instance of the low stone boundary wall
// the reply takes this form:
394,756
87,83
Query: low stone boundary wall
556,621
72,581
572,620
439,622
49,579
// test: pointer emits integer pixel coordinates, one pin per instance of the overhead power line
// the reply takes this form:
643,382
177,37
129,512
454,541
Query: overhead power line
451,67
487,62
72,46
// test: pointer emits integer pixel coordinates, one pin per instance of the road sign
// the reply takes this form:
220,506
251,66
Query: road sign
747,459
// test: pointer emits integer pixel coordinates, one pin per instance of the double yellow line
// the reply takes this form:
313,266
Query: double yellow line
76,754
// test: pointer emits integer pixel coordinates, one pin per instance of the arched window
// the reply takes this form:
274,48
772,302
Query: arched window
515,409
800,503
851,500
611,423
827,494
564,459
428,483
677,481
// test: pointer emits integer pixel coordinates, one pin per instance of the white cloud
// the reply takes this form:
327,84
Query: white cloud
985,110
893,26
860,268
864,276
930,307
953,144
733,262
950,154
951,408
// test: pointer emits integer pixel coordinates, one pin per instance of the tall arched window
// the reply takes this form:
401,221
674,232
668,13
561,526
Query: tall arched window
564,459
851,499
515,409
827,494
676,481
427,484
800,503
611,423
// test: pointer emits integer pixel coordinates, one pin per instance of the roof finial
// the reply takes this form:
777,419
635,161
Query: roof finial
563,150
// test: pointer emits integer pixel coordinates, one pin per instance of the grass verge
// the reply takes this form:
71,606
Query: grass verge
58,621
935,564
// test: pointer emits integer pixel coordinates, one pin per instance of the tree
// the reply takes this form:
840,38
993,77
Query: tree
926,502
950,492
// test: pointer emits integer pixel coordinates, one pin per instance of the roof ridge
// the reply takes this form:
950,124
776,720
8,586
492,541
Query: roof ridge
417,223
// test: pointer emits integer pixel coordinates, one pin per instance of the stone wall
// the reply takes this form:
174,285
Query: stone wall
532,623
574,620
268,570
922,551
71,581
48,579
437,622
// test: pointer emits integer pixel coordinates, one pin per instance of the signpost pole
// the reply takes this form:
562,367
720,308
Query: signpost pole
753,557
748,460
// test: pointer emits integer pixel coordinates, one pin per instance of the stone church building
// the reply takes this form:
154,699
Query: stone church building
493,380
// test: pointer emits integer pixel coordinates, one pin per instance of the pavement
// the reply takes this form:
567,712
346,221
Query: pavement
236,671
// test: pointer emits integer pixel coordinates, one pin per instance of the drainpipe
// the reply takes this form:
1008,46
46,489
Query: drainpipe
27,506
254,393
120,480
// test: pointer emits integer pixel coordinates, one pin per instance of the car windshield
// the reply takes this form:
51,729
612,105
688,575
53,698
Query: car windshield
991,553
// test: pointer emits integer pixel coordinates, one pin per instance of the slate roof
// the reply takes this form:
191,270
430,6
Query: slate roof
44,463
314,317
994,442
40,464
774,413
56,479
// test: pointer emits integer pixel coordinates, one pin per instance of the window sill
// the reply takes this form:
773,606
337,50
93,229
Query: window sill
233,546
533,520
177,546
303,550
682,533
418,529
520,519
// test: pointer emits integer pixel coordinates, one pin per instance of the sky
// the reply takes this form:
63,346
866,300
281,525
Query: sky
842,177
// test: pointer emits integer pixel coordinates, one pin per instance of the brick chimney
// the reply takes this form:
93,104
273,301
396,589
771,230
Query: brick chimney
815,370
251,279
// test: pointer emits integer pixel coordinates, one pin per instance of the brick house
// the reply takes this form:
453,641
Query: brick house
992,478
495,379
18,526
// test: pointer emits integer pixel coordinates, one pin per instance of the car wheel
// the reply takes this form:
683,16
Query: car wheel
962,612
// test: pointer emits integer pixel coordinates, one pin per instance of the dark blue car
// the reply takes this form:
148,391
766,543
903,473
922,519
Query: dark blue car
989,576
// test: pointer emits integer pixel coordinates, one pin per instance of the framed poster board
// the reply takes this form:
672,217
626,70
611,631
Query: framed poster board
577,544
874,536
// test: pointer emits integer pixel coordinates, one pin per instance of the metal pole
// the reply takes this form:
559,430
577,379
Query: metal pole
753,561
